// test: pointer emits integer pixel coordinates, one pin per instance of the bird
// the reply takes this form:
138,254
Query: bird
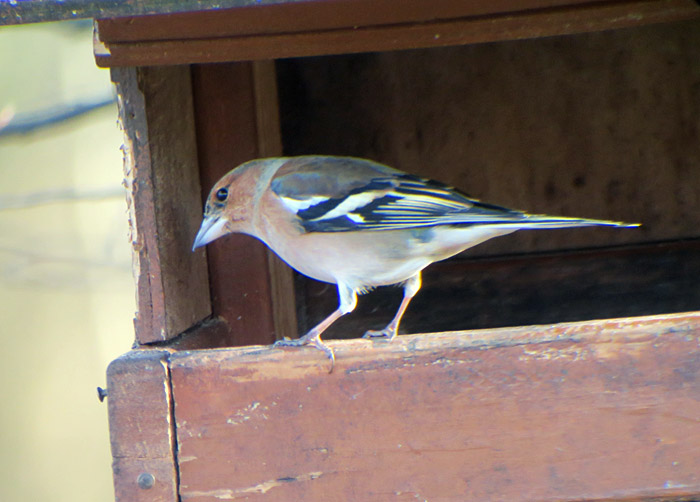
358,224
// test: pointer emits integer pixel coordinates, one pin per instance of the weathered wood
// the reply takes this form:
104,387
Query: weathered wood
597,410
469,30
235,113
523,290
163,195
141,428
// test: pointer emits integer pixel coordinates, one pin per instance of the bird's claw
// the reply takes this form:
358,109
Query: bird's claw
387,333
315,341
288,342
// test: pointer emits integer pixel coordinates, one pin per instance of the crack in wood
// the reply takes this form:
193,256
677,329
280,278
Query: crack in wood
261,488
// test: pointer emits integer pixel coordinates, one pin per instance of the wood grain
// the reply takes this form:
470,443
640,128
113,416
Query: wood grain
163,195
598,410
177,203
141,427
469,30
139,199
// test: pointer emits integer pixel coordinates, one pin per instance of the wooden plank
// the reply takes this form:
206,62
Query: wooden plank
139,199
163,195
522,290
236,111
582,411
225,119
177,203
308,16
479,29
141,429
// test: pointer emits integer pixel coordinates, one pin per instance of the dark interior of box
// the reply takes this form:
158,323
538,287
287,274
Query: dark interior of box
600,125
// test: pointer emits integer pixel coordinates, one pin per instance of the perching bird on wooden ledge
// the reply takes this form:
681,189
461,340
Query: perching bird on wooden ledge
358,224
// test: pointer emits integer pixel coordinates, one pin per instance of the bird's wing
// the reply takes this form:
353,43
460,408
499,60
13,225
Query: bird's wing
337,194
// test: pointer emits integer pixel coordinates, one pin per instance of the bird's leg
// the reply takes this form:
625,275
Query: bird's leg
410,288
347,303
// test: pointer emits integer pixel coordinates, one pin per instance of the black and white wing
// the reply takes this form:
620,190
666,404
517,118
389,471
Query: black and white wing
341,194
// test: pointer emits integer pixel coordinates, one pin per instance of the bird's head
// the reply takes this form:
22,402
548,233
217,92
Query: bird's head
227,207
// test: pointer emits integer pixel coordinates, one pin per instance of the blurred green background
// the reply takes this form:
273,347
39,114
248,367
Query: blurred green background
66,291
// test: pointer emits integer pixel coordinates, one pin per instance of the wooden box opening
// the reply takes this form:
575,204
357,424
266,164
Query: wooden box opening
586,125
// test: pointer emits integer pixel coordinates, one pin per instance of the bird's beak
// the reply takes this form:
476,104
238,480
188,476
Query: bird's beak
212,228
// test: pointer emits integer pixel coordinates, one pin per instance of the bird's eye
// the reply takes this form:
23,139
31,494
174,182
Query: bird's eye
221,194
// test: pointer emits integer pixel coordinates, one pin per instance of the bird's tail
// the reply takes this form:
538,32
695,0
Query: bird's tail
545,221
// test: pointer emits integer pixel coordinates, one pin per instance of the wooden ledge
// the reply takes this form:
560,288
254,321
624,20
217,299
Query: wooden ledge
351,26
355,354
595,410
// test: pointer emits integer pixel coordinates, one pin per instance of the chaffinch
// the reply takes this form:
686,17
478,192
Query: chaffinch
357,224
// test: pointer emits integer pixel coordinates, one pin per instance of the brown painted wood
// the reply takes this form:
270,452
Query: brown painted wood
308,16
541,288
236,121
163,195
141,427
599,410
226,136
527,24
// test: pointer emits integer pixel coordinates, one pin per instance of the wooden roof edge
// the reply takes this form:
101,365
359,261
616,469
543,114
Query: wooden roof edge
13,12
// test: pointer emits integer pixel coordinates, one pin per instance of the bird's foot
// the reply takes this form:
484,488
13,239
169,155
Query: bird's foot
389,333
309,339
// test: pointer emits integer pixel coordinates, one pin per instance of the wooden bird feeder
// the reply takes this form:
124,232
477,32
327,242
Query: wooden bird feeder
579,375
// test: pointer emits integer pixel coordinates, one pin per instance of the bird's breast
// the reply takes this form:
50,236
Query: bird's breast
359,259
